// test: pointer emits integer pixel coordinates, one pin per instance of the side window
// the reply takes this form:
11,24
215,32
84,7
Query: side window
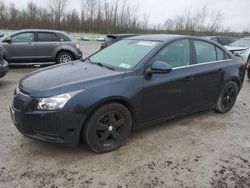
205,52
23,37
221,55
47,37
176,54
62,37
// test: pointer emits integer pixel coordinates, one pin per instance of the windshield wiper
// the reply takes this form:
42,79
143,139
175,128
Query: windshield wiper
100,64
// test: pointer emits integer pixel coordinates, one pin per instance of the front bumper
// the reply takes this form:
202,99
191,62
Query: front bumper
54,127
78,54
3,68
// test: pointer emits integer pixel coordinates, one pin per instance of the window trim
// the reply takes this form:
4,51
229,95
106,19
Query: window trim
206,63
195,55
215,46
15,42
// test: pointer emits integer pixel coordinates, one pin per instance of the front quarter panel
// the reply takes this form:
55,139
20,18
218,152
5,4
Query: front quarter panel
127,90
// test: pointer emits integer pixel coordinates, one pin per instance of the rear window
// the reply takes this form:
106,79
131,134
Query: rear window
221,55
224,41
47,37
63,37
205,52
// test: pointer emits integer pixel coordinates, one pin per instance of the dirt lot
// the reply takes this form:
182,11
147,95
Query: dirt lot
202,150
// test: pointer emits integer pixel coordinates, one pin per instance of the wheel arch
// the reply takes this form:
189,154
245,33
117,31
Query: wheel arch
236,80
118,100
65,50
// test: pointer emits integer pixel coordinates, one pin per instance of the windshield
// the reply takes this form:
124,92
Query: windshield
124,54
241,42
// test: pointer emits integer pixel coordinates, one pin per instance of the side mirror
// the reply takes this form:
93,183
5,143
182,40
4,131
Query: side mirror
159,67
8,40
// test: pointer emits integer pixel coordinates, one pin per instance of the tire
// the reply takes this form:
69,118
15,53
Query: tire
248,67
64,57
108,128
227,97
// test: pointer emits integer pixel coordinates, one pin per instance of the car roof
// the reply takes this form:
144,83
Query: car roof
40,30
120,35
218,36
163,37
156,37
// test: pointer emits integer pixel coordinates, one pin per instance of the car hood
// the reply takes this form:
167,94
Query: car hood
66,78
236,48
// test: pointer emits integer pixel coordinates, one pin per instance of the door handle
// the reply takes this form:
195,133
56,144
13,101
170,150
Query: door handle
220,70
189,78
56,44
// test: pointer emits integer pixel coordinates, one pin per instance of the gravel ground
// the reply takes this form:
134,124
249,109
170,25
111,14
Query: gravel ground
202,150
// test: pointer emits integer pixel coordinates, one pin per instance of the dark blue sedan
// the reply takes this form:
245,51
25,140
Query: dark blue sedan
131,84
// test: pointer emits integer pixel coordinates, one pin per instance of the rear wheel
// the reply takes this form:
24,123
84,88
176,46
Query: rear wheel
227,97
64,57
248,73
248,67
108,128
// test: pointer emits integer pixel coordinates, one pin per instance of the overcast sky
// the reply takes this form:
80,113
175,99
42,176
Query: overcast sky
236,12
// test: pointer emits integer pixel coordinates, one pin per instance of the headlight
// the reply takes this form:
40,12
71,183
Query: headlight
1,54
53,103
239,52
56,102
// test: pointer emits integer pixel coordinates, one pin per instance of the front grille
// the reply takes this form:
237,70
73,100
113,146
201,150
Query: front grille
18,103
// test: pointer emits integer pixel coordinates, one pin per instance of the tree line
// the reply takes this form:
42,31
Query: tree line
106,16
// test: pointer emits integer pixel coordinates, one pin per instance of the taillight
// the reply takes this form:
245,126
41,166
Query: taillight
77,46
244,66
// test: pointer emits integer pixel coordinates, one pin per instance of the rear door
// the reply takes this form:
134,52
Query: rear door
21,48
207,74
46,46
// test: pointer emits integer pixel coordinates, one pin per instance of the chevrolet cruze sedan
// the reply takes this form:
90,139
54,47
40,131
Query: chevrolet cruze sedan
133,83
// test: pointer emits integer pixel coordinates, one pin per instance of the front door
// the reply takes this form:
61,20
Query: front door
166,94
21,48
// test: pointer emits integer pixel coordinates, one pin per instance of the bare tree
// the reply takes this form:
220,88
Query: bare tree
58,8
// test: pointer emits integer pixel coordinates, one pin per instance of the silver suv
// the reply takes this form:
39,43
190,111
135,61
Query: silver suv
40,47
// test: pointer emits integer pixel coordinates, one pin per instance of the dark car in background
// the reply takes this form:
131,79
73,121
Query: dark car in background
113,38
1,34
3,65
131,84
40,47
223,40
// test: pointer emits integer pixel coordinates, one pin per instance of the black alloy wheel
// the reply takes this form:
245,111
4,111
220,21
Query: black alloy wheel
227,97
108,127
248,67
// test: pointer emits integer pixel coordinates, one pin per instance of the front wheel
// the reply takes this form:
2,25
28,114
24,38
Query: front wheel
108,127
227,97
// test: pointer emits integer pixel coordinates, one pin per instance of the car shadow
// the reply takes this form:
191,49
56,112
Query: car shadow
4,84
57,149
